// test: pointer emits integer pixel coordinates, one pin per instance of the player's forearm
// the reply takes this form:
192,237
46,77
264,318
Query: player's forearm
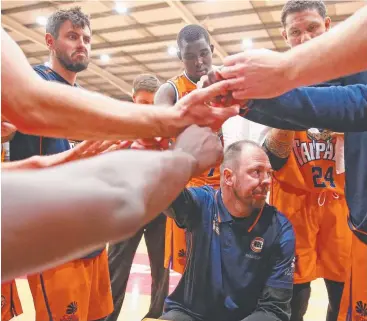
76,208
38,107
51,221
338,108
258,116
279,142
165,185
61,111
339,52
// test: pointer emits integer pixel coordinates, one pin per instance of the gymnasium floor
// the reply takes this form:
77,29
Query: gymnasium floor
137,299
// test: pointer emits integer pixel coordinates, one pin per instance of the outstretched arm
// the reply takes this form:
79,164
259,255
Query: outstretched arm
264,73
55,215
55,110
341,109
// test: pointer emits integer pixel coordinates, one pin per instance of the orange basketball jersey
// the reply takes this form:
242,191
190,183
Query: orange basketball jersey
175,244
311,166
183,86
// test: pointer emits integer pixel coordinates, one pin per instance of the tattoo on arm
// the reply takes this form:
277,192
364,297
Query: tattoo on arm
279,142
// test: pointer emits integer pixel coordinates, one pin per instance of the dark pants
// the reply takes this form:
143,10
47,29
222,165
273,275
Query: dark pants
175,315
301,296
120,258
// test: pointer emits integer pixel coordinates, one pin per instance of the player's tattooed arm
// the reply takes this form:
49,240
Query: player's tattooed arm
279,142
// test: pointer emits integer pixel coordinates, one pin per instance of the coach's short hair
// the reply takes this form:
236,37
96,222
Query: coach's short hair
192,33
75,15
146,82
232,152
293,6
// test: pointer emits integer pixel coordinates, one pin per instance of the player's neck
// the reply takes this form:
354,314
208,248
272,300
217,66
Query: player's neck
193,79
234,206
68,75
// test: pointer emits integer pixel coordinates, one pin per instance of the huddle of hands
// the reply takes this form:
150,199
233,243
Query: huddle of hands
201,143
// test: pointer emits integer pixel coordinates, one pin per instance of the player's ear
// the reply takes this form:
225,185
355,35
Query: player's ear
327,23
284,34
179,55
212,48
134,98
49,41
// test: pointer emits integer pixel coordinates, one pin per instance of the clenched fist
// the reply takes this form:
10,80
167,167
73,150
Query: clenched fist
203,144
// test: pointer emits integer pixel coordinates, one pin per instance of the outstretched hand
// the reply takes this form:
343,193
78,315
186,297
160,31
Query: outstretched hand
196,108
213,77
257,73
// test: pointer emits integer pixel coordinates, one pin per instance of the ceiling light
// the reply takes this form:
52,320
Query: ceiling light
247,43
119,8
172,50
41,20
105,58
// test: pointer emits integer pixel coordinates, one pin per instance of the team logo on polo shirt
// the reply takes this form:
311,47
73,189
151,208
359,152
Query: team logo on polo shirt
257,244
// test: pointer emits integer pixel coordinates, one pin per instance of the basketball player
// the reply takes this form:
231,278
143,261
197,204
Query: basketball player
74,288
196,54
55,111
339,109
121,255
258,71
307,186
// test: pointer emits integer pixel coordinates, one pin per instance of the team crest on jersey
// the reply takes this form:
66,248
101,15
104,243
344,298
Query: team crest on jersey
321,147
71,311
182,257
315,134
257,244
361,310
3,301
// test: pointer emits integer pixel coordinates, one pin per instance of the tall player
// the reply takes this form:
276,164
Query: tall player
307,185
196,53
80,288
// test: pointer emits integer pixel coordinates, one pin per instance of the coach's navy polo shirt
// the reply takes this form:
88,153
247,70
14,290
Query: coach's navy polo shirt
23,146
230,261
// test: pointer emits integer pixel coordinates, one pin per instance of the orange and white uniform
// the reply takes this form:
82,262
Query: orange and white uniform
10,302
308,190
175,249
79,290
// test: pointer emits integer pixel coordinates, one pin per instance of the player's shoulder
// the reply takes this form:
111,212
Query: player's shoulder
43,71
176,78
